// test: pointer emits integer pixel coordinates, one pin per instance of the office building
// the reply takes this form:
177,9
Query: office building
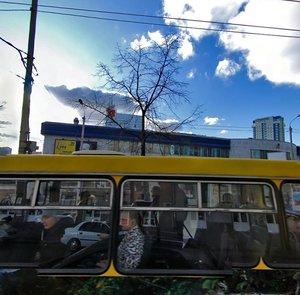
269,128
63,138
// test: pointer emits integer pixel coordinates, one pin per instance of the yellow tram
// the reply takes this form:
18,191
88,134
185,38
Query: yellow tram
187,216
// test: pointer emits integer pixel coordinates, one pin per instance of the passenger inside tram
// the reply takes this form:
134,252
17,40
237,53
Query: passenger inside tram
54,225
131,247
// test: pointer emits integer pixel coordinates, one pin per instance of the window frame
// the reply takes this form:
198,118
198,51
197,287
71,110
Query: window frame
199,181
37,209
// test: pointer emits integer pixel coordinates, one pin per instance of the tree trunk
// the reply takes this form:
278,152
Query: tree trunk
143,136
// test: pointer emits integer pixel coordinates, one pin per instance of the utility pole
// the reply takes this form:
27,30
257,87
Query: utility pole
291,137
24,143
83,125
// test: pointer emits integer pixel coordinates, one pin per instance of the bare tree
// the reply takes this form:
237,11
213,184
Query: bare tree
147,77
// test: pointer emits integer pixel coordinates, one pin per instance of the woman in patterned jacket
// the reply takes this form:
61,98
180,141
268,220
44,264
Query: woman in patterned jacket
131,248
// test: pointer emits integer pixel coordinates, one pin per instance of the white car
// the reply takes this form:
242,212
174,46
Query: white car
85,234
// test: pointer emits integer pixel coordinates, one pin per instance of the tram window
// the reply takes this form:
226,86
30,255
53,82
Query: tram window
16,192
75,193
198,238
206,240
291,199
237,195
54,241
65,234
160,193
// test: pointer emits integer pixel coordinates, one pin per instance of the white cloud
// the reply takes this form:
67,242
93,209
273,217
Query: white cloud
275,58
69,98
145,42
165,125
199,10
191,74
211,120
156,37
227,68
223,131
186,48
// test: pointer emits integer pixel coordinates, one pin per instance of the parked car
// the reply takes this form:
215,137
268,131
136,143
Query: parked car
85,234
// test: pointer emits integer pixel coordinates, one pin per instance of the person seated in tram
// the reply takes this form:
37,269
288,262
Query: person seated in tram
54,224
131,247
84,199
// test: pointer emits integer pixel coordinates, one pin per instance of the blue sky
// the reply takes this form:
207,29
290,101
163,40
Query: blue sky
235,77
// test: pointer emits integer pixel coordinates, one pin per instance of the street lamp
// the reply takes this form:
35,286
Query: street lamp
291,137
83,124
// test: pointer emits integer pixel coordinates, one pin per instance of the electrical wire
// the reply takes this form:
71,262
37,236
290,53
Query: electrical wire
13,10
229,128
166,17
171,25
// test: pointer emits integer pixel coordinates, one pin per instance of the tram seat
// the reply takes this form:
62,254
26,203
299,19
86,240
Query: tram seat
273,246
241,240
256,246
171,226
229,245
146,257
217,238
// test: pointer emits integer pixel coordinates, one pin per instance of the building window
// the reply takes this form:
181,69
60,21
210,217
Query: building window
259,154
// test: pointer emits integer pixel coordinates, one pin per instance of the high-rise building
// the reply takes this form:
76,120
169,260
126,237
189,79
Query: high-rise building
271,128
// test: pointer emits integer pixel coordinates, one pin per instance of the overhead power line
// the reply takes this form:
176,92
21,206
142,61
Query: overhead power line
168,17
142,22
229,128
13,10
171,25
